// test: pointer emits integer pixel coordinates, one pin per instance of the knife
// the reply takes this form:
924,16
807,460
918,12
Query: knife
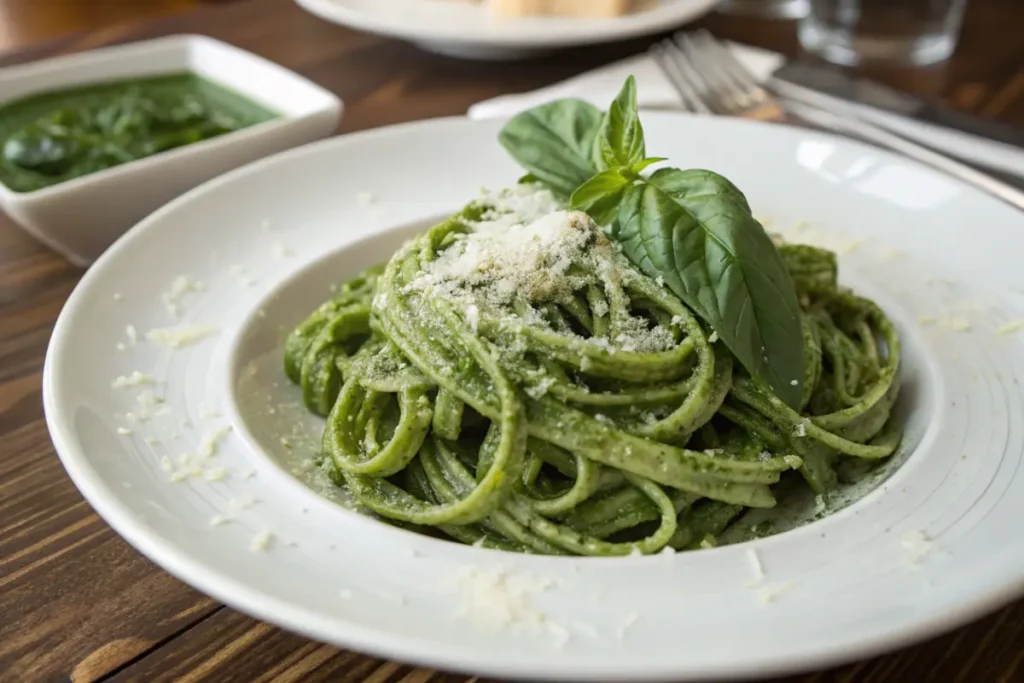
987,143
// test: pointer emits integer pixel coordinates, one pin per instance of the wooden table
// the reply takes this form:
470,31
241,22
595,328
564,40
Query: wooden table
77,603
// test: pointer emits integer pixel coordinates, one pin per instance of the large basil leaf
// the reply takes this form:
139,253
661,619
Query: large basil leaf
695,230
556,143
601,196
621,142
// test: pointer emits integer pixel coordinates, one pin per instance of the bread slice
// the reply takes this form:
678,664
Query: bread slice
565,8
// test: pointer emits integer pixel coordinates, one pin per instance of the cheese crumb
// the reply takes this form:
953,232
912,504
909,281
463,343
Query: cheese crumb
281,251
772,594
1010,327
755,563
177,337
919,545
124,431
180,287
216,474
133,336
497,598
136,379
210,440
261,541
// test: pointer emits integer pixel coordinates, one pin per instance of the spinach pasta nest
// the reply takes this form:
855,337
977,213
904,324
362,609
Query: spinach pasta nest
510,379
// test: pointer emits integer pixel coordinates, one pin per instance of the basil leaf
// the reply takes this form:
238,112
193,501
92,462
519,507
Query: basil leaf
601,195
622,137
640,166
695,230
555,142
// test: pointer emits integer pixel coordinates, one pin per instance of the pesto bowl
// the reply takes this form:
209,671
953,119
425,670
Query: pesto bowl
81,216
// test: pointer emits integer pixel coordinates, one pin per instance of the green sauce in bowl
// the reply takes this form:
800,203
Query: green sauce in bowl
53,137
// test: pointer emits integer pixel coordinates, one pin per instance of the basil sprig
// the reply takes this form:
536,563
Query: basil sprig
693,229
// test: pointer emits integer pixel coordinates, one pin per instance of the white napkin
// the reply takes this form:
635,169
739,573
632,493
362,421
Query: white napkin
600,86
654,90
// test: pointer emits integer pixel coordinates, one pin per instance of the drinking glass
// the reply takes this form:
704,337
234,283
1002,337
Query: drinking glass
852,32
766,9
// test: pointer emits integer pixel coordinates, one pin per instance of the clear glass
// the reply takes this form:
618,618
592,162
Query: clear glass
852,32
766,9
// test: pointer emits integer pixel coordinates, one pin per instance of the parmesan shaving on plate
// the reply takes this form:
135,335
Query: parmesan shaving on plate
177,337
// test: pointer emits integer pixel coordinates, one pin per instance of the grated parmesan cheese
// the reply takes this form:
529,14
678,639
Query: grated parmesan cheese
136,379
497,598
261,541
124,431
919,545
177,337
769,595
133,336
180,287
1010,327
216,474
281,251
210,440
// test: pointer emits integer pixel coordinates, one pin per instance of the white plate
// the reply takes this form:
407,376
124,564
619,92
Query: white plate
468,30
268,239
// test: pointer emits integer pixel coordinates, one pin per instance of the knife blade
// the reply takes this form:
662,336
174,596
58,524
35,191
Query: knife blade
999,149
864,92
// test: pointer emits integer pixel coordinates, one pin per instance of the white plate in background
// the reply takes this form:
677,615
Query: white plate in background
469,30
936,545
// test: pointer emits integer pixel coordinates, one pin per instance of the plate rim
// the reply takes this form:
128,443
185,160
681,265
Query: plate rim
614,29
237,594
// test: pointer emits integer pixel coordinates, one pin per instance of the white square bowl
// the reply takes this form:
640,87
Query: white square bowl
80,218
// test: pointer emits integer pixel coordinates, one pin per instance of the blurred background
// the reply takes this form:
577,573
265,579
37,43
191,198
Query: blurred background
23,22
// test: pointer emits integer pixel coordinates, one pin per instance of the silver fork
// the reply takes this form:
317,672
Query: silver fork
710,80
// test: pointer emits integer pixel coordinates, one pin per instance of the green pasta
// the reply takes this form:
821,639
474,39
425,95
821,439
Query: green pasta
510,380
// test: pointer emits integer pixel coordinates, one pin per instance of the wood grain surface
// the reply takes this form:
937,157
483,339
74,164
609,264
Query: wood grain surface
77,603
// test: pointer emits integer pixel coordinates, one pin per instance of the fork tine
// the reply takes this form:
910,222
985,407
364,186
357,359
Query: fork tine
678,70
728,96
732,66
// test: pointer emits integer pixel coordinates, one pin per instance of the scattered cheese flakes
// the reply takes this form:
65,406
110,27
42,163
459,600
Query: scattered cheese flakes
150,406
497,598
772,594
281,251
801,429
180,286
124,431
121,346
177,337
473,317
713,338
136,379
216,474
755,563
1010,327
794,383
210,440
217,520
261,541
918,544
133,336
151,440
241,503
